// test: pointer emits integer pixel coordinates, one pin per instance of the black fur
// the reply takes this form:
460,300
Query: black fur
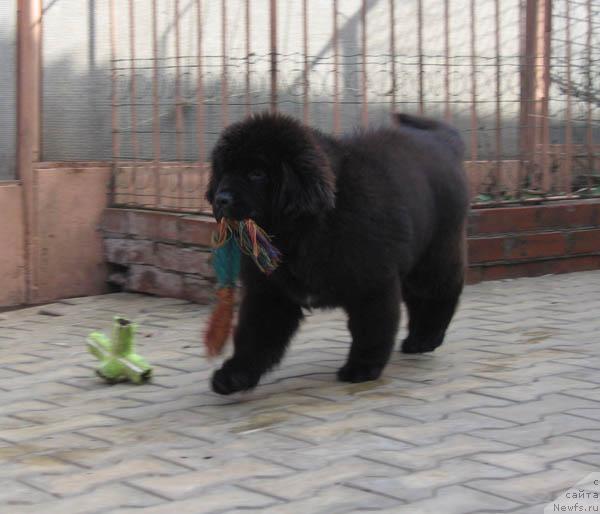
363,222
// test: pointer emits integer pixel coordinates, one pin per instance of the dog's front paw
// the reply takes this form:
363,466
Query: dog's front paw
228,380
359,372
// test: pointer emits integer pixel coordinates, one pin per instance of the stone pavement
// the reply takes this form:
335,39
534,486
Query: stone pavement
503,418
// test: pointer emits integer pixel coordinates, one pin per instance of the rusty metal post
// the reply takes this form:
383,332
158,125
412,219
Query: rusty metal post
114,115
248,57
155,107
199,89
545,29
589,131
336,63
29,61
133,84
178,99
420,52
528,78
393,53
364,116
224,71
498,144
305,70
273,44
474,135
447,111
567,169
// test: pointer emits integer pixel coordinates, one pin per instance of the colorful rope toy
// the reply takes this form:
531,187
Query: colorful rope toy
229,241
119,362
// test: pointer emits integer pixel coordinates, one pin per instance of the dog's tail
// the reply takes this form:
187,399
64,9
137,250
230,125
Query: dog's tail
447,133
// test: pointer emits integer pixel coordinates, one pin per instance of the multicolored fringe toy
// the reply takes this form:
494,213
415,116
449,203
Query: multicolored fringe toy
232,238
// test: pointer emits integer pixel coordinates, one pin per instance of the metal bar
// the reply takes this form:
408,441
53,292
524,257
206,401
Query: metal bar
567,184
474,134
589,132
364,105
420,52
336,63
116,143
498,144
273,23
200,89
528,122
224,74
155,106
178,99
132,81
305,71
447,111
29,59
393,53
248,65
545,99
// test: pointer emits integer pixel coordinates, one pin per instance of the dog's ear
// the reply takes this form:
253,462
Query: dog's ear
307,187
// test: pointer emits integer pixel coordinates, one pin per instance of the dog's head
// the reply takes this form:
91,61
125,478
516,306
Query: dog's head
270,167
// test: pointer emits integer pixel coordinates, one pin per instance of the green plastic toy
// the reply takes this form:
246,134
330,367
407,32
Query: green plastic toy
119,362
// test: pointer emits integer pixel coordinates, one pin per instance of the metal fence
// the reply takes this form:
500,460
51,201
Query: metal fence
519,78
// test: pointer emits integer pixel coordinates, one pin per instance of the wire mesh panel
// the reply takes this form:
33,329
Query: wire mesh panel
517,77
574,110
8,85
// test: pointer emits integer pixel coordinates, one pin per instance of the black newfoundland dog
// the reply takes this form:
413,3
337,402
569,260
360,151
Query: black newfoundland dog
363,222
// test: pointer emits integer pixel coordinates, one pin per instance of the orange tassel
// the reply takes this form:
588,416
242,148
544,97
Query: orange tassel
219,326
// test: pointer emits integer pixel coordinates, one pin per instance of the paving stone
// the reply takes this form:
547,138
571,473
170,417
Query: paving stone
76,483
214,473
421,484
306,483
453,500
104,498
502,418
220,499
536,488
429,456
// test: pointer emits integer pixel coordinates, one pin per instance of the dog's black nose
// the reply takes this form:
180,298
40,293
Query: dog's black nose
223,200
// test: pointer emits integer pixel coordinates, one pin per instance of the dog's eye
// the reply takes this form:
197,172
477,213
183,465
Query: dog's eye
257,175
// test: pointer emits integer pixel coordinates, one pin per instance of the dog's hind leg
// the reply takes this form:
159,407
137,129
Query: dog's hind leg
373,323
431,294
429,317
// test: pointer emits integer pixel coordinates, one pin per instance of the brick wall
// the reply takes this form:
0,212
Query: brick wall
159,253
543,239
168,254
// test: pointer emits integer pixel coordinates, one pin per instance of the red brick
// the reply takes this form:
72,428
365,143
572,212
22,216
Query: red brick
156,226
533,246
533,268
196,230
129,251
573,264
116,251
580,213
148,279
584,241
474,275
485,249
141,252
185,260
502,220
198,290
115,221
